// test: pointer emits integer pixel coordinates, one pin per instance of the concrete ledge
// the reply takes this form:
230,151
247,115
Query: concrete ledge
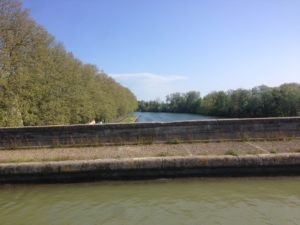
147,168
141,133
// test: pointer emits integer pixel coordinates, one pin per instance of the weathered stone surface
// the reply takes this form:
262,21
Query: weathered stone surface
144,168
215,129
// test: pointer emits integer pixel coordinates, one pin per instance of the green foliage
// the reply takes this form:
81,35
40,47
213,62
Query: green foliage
231,152
189,102
42,84
260,101
128,119
174,142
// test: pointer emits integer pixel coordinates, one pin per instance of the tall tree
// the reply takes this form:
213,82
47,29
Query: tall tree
41,83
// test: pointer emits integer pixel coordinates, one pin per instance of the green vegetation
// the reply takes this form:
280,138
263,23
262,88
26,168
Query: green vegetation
163,154
260,101
231,152
274,151
43,84
174,142
127,119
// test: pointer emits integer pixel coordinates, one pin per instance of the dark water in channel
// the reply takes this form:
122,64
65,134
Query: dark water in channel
169,202
168,117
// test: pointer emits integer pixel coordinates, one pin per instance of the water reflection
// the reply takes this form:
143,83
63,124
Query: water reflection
168,117
188,201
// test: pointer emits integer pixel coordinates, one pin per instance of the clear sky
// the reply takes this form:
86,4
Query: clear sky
157,47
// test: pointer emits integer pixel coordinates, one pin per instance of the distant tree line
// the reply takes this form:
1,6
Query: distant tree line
41,83
261,101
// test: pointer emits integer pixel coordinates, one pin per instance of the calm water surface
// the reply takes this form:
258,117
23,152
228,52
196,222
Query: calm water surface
168,117
189,201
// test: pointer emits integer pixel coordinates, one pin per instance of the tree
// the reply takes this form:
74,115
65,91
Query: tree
42,84
261,101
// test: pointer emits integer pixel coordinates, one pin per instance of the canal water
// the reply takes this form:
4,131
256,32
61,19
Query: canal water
168,117
232,201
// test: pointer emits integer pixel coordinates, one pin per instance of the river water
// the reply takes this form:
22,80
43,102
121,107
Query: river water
232,201
168,117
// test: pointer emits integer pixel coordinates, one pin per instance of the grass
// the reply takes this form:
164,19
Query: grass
174,142
245,138
231,152
145,141
163,154
128,119
274,151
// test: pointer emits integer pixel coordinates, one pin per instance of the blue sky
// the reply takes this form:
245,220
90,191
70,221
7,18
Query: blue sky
157,47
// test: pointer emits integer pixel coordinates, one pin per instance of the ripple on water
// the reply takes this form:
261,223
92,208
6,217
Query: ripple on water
186,201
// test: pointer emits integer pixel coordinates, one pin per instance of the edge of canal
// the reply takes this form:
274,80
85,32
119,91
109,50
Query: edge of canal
151,168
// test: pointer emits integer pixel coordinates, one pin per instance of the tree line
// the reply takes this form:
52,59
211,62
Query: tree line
261,101
43,84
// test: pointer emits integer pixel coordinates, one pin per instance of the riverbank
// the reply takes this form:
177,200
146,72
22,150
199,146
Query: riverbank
130,118
150,161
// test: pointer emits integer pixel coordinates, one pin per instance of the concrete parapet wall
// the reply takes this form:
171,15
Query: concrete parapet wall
146,168
138,133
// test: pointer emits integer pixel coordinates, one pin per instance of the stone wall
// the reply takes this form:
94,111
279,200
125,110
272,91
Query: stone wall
141,133
149,168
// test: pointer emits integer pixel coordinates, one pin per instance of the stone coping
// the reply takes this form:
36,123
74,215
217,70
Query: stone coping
151,167
154,124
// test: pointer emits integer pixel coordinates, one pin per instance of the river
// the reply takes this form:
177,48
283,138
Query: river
168,117
230,201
